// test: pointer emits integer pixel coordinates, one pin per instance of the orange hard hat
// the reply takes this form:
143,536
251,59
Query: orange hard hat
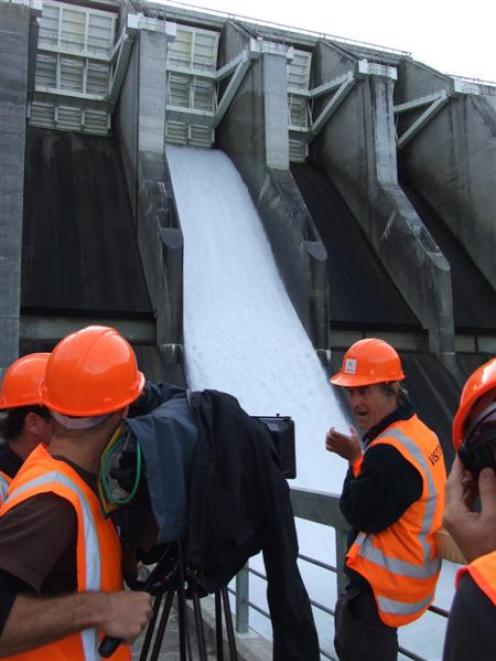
478,384
368,361
91,372
22,380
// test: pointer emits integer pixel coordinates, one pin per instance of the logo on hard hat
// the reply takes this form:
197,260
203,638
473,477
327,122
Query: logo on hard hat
350,366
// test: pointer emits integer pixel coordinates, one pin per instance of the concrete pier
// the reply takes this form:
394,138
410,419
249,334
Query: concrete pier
141,127
254,133
451,161
357,149
15,20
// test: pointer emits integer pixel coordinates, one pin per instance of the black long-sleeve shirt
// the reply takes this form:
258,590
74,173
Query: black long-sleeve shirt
471,625
385,488
10,462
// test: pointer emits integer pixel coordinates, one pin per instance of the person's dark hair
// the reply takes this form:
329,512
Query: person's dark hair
395,389
11,425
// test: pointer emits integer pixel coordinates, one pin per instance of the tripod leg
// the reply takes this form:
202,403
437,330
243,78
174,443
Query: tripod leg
233,654
219,643
200,634
161,628
151,628
181,609
184,640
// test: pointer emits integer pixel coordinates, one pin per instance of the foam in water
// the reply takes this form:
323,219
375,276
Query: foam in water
243,336
241,332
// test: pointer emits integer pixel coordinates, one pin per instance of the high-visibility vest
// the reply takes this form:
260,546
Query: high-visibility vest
483,572
401,563
5,481
98,549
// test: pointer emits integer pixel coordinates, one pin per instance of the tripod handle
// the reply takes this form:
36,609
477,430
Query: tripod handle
108,646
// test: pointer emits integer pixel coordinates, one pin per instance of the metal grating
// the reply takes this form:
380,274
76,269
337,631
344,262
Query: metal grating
77,29
46,70
191,67
71,74
178,90
203,91
68,118
72,29
49,25
299,116
42,114
179,51
205,51
298,150
73,60
298,105
176,133
101,33
200,136
97,78
299,70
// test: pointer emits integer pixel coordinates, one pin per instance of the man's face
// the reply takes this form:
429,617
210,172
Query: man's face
370,405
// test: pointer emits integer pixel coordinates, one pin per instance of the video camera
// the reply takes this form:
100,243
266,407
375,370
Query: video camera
280,428
125,491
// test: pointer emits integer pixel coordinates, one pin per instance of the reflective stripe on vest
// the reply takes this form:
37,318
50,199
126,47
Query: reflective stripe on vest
4,486
428,568
92,554
403,607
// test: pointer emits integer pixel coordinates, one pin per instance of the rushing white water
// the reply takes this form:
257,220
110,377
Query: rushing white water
241,332
243,336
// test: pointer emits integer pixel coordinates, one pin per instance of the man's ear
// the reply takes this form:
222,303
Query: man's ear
34,424
121,413
117,416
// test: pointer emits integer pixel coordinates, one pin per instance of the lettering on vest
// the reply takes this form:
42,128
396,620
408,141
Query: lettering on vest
436,455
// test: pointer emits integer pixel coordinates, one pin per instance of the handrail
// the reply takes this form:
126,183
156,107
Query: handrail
285,28
318,507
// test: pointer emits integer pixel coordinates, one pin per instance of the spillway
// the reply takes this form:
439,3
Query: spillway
241,332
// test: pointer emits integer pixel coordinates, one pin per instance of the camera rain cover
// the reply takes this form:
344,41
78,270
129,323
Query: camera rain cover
167,437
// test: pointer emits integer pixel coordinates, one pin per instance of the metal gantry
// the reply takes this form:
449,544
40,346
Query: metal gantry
73,68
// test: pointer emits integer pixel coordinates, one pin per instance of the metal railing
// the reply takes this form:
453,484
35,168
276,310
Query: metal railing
322,508
263,23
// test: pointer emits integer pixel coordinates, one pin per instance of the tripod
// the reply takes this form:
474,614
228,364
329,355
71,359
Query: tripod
176,585
168,579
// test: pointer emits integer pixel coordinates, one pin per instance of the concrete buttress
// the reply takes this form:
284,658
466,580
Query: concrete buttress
254,133
357,149
15,23
451,162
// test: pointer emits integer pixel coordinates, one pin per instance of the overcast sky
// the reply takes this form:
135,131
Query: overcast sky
454,37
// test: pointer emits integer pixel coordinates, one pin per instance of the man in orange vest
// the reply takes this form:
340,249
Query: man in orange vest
60,558
471,628
393,499
27,422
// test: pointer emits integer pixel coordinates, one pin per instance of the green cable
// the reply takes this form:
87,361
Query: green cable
105,471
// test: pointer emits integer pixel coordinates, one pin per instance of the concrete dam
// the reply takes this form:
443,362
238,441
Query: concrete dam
372,174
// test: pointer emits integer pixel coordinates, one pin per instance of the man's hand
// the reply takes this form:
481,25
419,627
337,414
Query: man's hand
474,532
126,614
348,447
36,621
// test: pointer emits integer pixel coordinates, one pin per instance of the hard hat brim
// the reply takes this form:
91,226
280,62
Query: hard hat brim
352,381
